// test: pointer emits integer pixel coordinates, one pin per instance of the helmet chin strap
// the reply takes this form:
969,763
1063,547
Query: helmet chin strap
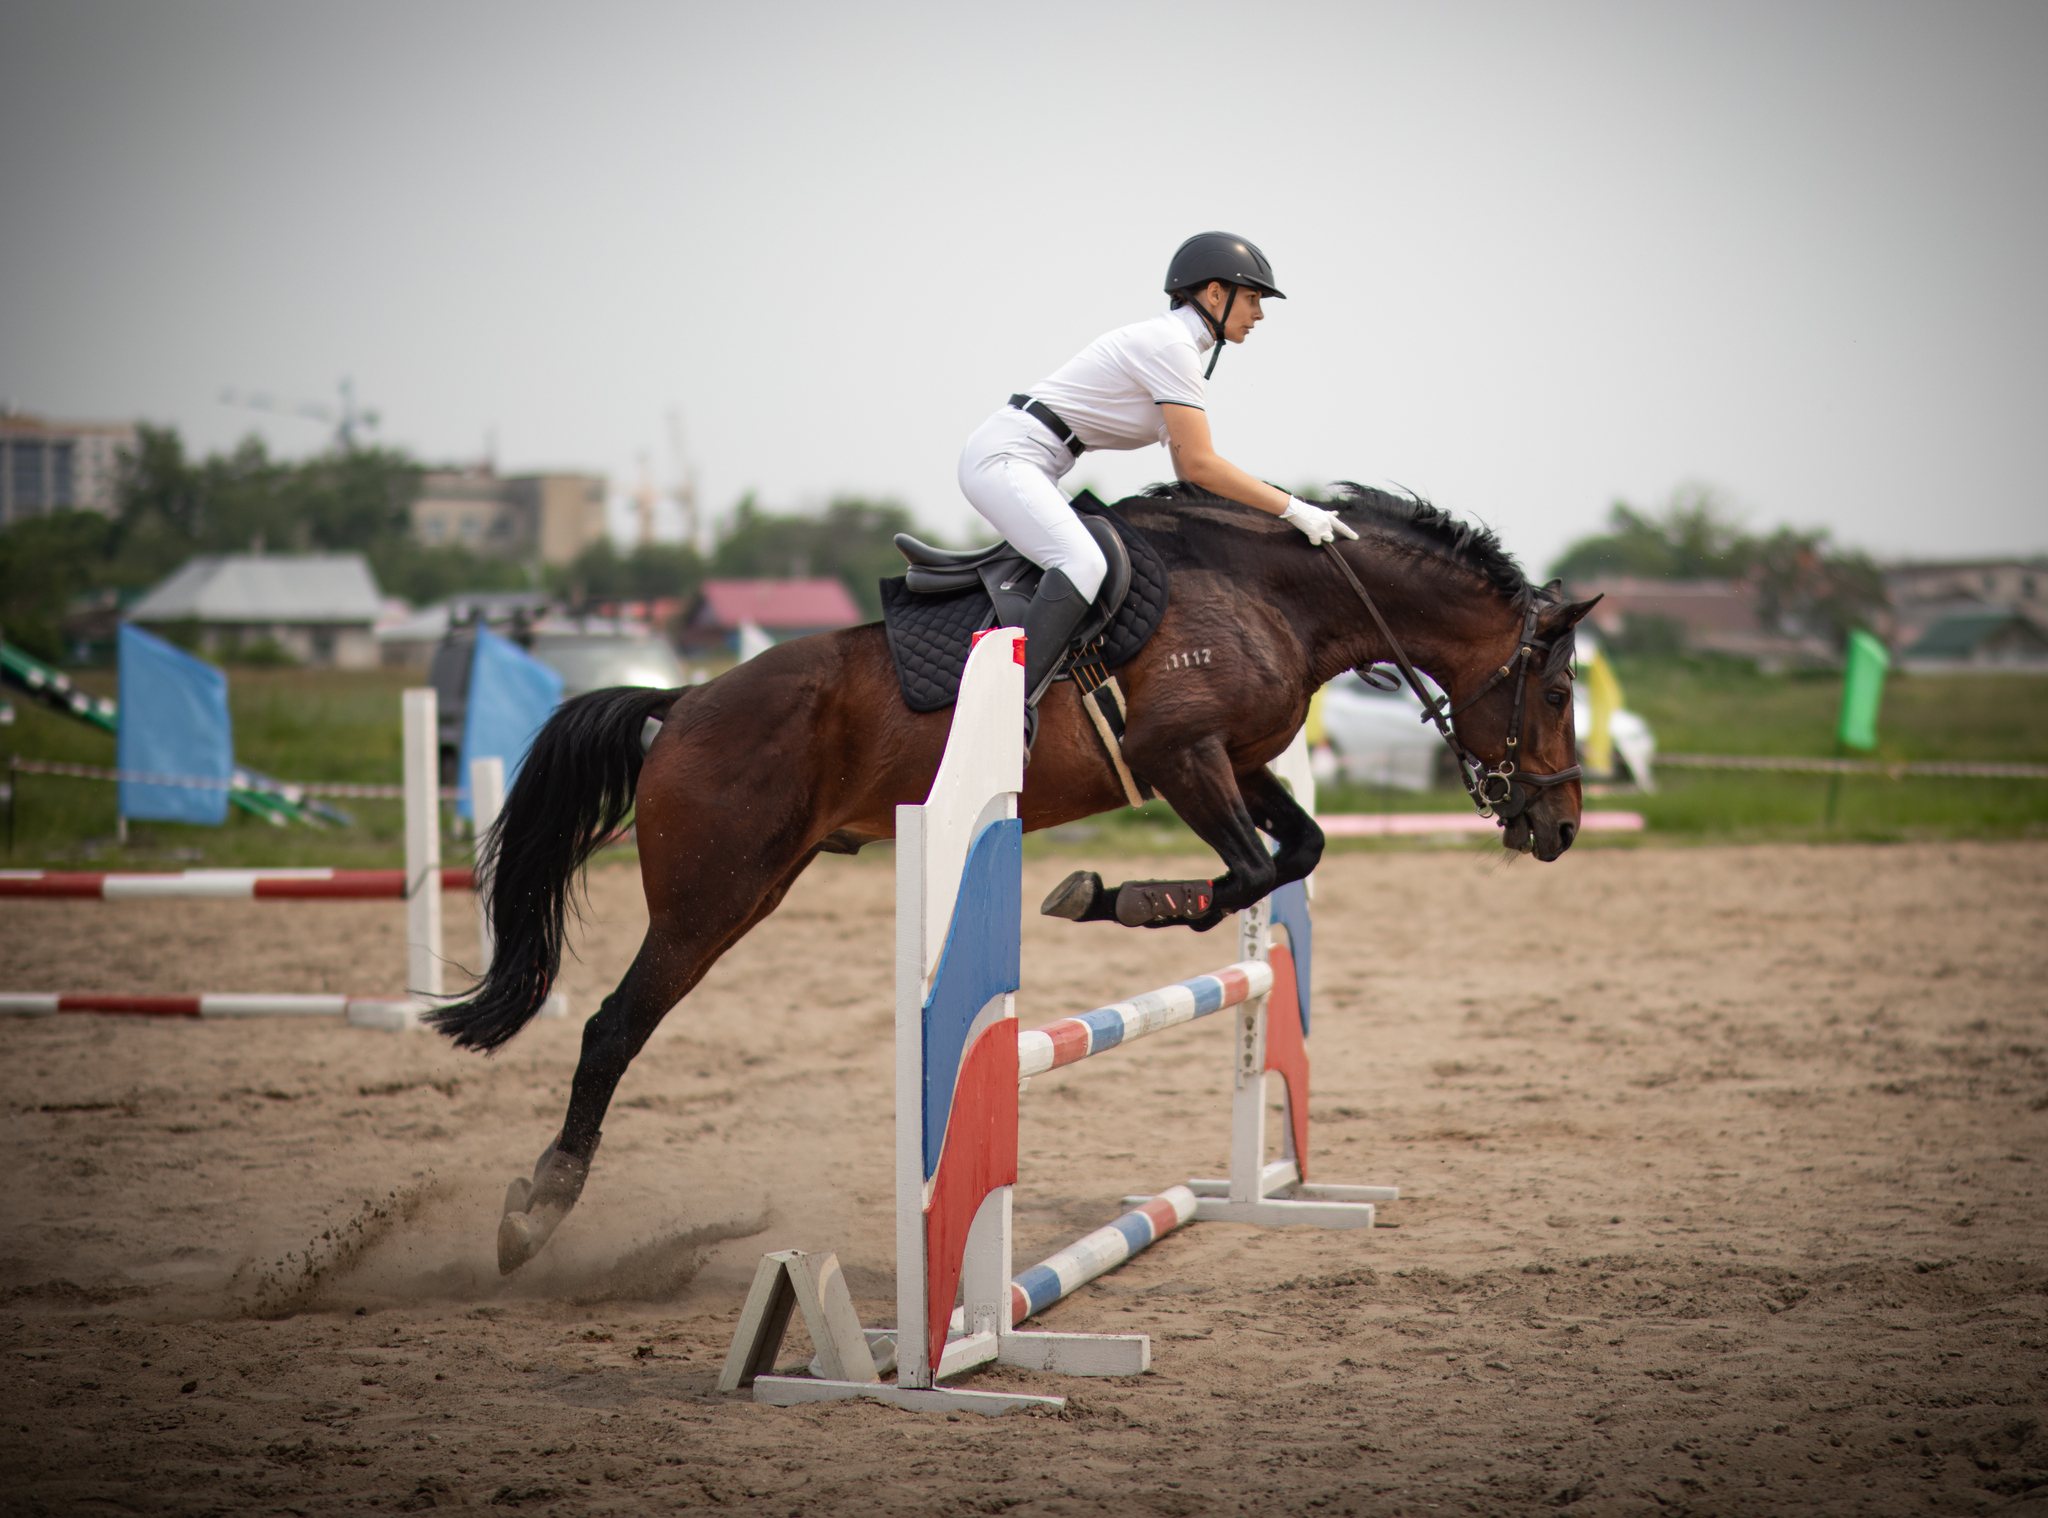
1216,327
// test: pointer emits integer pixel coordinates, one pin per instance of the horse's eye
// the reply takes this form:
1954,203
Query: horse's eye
1557,698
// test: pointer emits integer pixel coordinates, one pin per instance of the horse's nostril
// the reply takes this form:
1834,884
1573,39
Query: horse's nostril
1566,832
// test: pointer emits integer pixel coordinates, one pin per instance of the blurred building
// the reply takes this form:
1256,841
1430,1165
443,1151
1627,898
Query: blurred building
47,466
317,608
406,639
1924,594
779,608
1980,641
1695,616
549,517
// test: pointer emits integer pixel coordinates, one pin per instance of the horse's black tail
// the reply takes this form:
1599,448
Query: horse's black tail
573,791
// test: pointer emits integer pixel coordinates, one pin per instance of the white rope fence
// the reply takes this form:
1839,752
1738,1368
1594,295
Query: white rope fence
1895,769
290,789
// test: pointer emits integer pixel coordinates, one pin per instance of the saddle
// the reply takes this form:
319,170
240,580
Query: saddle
945,596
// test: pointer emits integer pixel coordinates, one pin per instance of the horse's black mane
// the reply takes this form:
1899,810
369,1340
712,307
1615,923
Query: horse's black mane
1416,521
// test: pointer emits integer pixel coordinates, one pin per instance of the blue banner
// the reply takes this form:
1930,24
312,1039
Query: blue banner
173,721
511,694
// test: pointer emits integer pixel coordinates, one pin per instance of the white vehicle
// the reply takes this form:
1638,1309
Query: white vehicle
589,661
1635,746
1380,737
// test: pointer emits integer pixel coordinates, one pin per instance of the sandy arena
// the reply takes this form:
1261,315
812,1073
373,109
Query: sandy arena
1719,1174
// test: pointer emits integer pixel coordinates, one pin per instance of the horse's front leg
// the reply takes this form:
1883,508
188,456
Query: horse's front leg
1204,791
1282,819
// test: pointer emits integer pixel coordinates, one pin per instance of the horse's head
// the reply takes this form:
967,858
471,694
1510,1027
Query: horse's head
1514,717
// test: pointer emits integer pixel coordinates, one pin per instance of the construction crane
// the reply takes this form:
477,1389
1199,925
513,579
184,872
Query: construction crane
685,492
643,501
346,418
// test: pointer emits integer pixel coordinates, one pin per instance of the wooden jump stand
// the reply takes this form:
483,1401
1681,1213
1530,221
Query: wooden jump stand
960,1064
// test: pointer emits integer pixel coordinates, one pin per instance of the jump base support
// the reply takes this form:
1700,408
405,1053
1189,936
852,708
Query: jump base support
1284,1202
793,1391
1281,1212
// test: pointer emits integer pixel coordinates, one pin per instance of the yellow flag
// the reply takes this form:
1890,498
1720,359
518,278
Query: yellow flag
1314,726
1605,690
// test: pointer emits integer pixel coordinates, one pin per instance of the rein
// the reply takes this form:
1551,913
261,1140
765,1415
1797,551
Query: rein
1505,790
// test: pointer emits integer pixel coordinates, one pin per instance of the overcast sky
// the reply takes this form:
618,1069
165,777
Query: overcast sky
1538,256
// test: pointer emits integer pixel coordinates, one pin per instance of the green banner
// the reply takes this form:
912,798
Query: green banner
1862,690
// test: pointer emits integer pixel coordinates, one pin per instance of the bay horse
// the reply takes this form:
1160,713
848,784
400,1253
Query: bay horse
809,748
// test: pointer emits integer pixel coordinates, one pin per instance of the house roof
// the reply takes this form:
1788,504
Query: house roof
1961,635
242,587
774,605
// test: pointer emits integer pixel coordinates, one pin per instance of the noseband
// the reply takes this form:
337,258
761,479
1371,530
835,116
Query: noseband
1506,790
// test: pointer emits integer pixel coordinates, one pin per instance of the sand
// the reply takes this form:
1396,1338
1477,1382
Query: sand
1719,1178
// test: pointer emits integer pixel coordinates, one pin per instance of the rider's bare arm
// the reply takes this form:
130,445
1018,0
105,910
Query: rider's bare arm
1196,460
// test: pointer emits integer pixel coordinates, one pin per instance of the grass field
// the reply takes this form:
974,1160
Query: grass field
343,726
336,725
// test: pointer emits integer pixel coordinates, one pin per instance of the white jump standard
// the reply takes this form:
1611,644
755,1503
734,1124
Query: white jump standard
960,1064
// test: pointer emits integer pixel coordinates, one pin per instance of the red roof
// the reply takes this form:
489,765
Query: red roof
776,605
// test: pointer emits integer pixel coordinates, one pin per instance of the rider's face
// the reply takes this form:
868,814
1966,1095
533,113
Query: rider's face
1245,312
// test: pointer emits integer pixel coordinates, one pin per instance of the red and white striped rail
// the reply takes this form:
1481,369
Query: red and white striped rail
222,885
363,1011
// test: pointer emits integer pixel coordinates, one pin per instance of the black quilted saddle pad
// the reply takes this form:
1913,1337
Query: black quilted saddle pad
929,636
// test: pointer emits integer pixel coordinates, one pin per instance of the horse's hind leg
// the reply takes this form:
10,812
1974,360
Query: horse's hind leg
667,968
618,1031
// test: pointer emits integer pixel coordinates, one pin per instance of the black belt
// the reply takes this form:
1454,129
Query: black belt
1051,419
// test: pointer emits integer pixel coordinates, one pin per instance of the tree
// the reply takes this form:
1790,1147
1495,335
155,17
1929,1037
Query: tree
1804,585
651,572
45,562
1694,538
853,542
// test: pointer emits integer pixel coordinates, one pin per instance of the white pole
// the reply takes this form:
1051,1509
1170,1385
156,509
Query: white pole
422,843
1248,1086
486,800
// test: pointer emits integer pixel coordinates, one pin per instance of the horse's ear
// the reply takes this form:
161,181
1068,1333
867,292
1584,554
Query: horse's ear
1570,615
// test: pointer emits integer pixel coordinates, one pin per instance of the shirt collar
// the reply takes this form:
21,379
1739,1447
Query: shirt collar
1192,320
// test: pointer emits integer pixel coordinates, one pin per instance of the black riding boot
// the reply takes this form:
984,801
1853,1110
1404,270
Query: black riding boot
1049,622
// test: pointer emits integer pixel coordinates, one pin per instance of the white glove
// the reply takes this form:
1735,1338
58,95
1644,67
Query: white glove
1318,525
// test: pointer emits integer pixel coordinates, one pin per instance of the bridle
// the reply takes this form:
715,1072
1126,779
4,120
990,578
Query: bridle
1506,790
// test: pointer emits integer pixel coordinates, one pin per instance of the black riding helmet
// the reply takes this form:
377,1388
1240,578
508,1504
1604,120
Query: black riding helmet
1219,255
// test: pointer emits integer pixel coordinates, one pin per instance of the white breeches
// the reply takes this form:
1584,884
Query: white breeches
1009,472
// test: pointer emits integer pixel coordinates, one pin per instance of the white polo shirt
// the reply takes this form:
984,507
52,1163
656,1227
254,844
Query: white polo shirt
1111,391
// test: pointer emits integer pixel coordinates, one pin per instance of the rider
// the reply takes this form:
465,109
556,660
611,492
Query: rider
1138,385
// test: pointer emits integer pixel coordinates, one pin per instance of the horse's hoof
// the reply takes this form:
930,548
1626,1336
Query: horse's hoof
1157,903
1073,897
518,1194
520,1235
